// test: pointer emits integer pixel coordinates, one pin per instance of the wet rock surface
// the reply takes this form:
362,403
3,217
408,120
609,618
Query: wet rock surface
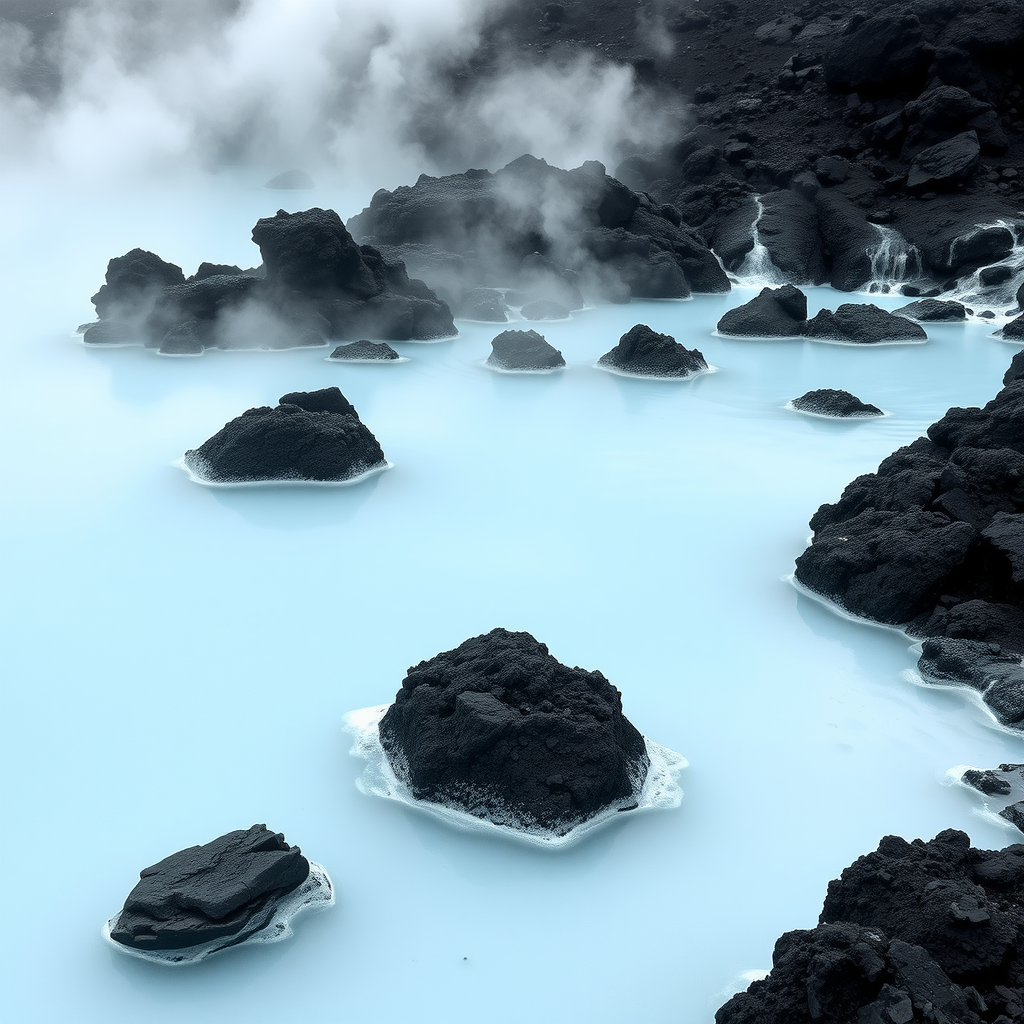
932,542
222,891
316,283
365,351
774,313
862,324
523,350
832,402
501,730
647,353
919,931
311,436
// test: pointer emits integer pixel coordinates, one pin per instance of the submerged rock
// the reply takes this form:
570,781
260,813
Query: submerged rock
499,729
912,932
646,353
830,402
773,313
365,351
862,323
523,350
313,436
222,892
934,311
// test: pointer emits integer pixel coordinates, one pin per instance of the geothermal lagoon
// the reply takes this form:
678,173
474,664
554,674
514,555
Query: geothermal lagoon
179,659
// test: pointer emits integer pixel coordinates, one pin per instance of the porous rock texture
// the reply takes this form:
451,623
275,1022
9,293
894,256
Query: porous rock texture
934,311
316,283
833,402
996,674
224,890
477,228
915,931
501,730
523,350
365,351
773,313
310,435
650,354
933,541
862,323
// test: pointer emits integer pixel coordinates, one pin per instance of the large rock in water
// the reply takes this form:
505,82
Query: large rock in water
222,891
863,324
831,402
934,311
311,435
934,540
501,730
523,350
646,353
773,313
921,931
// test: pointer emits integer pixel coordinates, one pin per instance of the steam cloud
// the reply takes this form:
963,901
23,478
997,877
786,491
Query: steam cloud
357,91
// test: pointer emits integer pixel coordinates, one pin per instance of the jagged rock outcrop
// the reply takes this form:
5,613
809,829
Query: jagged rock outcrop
523,350
934,311
643,352
921,931
309,436
501,730
832,402
773,313
222,892
997,675
365,352
863,324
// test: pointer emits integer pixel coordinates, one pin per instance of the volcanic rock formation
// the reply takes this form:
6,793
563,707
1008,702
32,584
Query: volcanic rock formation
862,324
310,436
222,892
646,353
501,730
921,931
523,350
774,313
934,311
365,352
830,402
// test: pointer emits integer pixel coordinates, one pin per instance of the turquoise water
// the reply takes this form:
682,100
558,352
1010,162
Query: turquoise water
177,660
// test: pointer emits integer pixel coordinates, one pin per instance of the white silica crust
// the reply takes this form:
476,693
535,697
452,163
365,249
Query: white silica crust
660,789
315,893
296,481
693,375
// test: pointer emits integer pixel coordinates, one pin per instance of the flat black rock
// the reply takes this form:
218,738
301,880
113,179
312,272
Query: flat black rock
523,350
224,890
946,164
314,436
919,931
831,402
501,730
364,351
773,313
646,353
862,324
934,311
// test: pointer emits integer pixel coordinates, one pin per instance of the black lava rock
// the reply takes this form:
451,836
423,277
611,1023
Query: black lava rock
990,783
130,282
523,350
500,729
645,352
830,402
365,351
774,313
945,165
314,435
483,304
1014,329
224,890
921,931
862,323
934,540
934,311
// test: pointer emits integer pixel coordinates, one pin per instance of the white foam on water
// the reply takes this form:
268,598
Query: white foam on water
365,362
1000,299
869,344
825,416
197,478
757,269
990,804
656,376
894,261
315,893
660,789
542,371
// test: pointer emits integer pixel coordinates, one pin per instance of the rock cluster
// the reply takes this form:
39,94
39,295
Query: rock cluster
223,891
523,350
646,353
1003,785
316,283
832,402
920,931
934,540
501,730
311,436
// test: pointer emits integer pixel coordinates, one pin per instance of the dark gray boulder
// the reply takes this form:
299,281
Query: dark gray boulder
485,304
945,165
1014,329
223,891
644,352
831,402
789,230
131,281
365,351
501,730
544,309
523,350
863,324
773,313
310,436
934,311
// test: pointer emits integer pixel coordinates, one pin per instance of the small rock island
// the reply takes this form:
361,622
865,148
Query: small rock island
642,352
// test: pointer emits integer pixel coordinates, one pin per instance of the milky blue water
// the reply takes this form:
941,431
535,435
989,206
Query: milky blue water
177,660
